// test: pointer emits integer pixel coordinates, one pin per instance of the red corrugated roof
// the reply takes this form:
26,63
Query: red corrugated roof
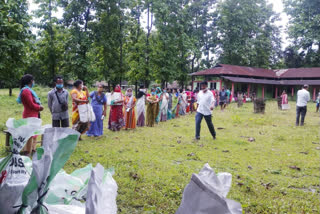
299,73
235,70
223,69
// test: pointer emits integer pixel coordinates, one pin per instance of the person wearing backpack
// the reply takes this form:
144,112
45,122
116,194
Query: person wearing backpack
58,104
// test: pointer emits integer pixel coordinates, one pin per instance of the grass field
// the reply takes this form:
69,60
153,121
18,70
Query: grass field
279,172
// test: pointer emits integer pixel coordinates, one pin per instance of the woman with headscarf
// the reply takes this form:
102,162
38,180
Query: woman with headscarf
153,108
159,94
164,105
31,108
130,115
116,119
141,106
99,106
79,96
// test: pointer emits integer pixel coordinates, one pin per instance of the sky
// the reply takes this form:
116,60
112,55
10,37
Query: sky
277,7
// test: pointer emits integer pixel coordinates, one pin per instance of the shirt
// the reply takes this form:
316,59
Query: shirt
303,96
31,108
55,106
223,96
205,101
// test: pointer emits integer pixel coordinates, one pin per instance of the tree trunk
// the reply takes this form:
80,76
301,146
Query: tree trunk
10,91
136,88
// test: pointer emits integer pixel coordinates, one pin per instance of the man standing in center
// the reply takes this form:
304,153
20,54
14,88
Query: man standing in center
205,102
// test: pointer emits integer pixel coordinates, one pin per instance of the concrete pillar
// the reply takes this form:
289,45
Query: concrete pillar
314,93
262,91
276,95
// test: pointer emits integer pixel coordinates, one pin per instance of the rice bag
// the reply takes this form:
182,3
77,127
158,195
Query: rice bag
58,145
13,174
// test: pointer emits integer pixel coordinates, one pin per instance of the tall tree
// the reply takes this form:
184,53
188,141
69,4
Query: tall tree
248,34
304,29
14,34
110,30
77,17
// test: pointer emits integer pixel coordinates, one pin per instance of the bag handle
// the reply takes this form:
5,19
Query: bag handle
58,97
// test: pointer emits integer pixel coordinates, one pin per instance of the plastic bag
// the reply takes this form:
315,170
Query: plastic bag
102,192
285,106
86,113
58,145
13,174
69,188
206,193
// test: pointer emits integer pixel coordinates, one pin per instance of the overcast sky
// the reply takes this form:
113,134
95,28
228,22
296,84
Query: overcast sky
277,7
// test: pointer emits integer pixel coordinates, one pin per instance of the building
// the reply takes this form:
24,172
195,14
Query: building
265,83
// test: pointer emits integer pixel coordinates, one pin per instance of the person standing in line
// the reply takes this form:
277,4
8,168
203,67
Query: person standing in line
164,105
170,103
223,99
31,108
79,96
141,106
303,97
159,94
153,108
205,101
99,106
116,118
58,104
130,114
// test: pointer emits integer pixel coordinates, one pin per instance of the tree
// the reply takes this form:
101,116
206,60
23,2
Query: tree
14,34
304,29
247,33
77,17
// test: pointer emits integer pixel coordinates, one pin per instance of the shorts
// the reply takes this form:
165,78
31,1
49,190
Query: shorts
222,102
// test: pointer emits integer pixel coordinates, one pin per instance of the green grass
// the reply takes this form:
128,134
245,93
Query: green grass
153,167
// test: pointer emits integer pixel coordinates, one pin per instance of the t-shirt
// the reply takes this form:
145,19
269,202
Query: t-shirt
205,101
303,97
223,96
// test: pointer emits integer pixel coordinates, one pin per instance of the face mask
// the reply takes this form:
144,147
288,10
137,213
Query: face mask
164,91
59,86
129,94
32,85
153,93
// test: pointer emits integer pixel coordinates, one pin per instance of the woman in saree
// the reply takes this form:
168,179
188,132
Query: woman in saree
159,94
153,108
284,97
183,102
130,114
116,119
164,105
99,106
141,106
79,96
169,114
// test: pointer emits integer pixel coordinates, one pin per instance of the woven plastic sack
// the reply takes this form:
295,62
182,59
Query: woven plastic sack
207,192
58,145
13,174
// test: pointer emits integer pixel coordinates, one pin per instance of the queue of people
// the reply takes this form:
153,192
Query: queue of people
128,111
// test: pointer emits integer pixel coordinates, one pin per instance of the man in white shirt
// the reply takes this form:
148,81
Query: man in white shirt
303,96
205,100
